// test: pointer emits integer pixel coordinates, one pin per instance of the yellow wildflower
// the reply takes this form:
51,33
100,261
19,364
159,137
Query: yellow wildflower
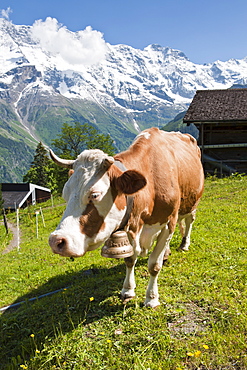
205,346
32,335
108,341
91,299
37,351
23,366
190,354
197,353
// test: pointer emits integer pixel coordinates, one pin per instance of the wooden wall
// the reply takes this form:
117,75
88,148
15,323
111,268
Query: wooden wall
226,144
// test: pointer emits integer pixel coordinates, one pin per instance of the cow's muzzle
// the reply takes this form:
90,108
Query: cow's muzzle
60,245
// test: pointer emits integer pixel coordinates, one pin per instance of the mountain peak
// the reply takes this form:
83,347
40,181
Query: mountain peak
166,51
49,75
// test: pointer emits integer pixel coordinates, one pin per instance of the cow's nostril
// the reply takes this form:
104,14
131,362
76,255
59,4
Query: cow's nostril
61,244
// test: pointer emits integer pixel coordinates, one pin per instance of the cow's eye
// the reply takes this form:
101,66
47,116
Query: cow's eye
94,196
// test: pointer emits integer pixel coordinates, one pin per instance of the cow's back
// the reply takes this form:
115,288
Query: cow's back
171,164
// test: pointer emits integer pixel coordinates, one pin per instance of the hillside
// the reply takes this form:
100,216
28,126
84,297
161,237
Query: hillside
47,80
177,124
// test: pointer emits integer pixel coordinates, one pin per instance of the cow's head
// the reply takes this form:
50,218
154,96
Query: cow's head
96,202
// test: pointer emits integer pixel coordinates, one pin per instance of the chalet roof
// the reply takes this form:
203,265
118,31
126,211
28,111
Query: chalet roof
16,194
217,106
13,199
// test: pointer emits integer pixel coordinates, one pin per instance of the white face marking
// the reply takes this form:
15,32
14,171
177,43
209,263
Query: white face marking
87,185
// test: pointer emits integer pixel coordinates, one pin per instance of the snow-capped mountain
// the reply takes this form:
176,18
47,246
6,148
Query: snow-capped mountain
48,77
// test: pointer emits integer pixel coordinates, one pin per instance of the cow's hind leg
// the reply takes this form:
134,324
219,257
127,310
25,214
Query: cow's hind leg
186,231
128,291
155,263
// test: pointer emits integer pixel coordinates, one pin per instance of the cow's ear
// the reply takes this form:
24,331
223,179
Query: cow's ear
130,182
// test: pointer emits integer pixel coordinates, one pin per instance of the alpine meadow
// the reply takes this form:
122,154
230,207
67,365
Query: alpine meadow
79,321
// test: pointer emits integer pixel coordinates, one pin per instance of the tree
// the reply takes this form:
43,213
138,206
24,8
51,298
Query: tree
73,140
78,137
41,171
70,143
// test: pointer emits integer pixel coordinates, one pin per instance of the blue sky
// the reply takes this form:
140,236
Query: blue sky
205,30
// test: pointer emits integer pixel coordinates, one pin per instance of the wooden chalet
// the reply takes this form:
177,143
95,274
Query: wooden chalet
20,195
221,118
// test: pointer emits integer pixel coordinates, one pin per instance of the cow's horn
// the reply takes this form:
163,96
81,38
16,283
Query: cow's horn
66,163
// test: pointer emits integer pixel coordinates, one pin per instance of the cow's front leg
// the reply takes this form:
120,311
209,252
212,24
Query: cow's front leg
155,263
128,291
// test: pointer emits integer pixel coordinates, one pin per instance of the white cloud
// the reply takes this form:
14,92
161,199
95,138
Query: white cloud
5,13
85,47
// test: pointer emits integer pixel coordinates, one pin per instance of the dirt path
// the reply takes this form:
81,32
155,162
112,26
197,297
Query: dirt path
14,241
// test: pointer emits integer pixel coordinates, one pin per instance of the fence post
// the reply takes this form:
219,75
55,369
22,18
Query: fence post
18,229
42,216
5,221
37,224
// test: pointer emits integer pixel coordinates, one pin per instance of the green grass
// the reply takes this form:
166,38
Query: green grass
4,237
201,323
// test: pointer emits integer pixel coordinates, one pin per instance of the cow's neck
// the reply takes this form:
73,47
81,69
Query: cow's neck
129,200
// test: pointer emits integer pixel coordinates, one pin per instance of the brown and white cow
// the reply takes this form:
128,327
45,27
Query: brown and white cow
164,173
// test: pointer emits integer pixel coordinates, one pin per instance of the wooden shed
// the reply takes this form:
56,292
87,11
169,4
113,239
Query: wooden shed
221,118
20,195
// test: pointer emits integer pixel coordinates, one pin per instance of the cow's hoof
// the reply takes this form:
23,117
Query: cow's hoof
183,248
166,262
126,300
166,256
153,303
126,296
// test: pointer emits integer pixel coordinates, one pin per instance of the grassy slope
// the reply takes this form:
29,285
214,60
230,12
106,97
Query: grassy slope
201,323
